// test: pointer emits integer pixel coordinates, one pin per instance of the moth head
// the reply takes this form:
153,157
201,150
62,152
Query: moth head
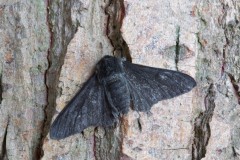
108,66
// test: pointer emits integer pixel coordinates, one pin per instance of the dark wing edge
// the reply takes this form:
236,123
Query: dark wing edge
150,85
89,107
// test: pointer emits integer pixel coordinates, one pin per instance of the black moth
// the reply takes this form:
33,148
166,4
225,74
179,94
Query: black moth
110,90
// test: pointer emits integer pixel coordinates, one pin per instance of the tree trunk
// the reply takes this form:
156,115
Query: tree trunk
49,49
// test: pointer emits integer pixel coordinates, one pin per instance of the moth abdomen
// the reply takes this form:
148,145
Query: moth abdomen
119,94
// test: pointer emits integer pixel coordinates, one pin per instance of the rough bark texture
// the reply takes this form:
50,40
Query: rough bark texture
23,49
48,49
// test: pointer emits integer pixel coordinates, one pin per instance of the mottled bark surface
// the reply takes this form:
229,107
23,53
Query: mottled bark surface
24,41
49,48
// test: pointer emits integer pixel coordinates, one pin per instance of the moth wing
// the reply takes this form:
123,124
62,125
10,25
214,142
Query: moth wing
149,85
89,107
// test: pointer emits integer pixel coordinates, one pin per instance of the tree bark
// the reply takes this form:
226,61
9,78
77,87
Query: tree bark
49,49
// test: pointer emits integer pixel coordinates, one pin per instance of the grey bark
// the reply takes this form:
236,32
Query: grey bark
49,48
24,43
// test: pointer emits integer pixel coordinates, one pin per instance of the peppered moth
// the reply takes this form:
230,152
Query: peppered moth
110,90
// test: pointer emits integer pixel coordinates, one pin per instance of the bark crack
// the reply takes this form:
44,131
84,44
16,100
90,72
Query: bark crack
116,13
177,51
234,152
139,124
236,89
3,155
199,41
230,37
40,151
62,30
202,130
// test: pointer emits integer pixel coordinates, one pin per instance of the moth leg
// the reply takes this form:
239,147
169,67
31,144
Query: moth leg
113,108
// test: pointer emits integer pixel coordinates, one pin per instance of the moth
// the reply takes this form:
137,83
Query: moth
110,91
